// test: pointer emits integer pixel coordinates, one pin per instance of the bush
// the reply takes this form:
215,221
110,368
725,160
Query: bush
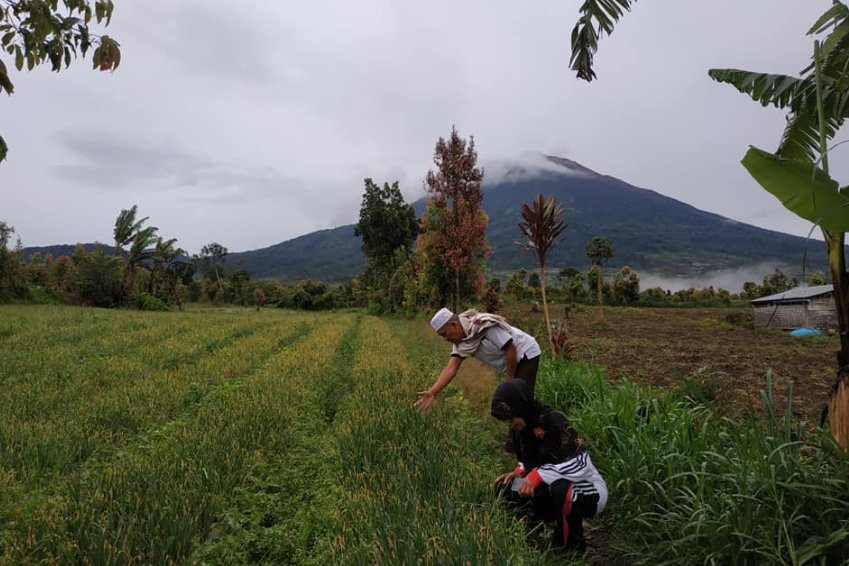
148,302
374,308
98,278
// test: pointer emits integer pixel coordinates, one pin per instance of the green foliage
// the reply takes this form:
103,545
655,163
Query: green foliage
626,286
597,18
599,250
13,283
803,188
567,273
516,286
594,274
576,289
388,228
689,488
147,302
98,279
36,31
386,224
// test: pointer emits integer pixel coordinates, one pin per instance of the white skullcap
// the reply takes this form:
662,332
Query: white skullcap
441,318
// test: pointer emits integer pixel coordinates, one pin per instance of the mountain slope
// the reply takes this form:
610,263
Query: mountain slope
649,231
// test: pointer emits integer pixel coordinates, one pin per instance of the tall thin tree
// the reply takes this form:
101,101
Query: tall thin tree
600,250
460,235
541,225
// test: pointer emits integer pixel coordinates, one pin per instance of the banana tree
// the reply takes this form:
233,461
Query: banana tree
798,173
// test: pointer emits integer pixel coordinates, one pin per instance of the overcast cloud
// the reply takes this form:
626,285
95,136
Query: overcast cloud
255,122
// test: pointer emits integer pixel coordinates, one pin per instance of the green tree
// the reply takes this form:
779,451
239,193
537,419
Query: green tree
777,282
457,223
388,228
626,286
142,250
36,31
516,284
211,261
13,283
126,227
566,274
576,287
797,173
599,250
386,222
164,272
98,278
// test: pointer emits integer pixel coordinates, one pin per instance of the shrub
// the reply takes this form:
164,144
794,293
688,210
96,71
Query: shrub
148,302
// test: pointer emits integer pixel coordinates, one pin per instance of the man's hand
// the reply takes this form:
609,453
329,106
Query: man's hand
425,401
504,479
526,488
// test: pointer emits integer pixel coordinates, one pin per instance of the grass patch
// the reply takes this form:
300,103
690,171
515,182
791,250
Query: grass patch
688,487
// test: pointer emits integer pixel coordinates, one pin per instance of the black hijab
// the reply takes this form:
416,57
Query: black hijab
511,399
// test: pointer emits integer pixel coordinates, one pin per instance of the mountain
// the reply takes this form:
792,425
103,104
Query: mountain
64,249
649,232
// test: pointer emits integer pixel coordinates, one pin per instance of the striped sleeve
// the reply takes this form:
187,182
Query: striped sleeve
576,469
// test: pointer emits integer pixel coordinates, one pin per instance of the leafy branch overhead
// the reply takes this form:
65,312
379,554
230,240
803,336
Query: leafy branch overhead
33,32
597,18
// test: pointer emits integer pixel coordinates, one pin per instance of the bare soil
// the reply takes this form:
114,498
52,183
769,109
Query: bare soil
713,348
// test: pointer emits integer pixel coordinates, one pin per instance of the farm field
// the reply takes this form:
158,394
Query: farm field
232,436
660,346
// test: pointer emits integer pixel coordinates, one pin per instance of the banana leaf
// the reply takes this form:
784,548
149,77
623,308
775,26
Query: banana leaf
802,187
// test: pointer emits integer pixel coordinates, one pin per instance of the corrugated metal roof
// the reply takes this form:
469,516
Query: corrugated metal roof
795,295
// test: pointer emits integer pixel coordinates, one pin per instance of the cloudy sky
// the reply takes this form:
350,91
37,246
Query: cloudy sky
254,122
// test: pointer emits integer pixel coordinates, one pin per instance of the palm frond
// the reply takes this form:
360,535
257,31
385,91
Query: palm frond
834,15
768,89
597,17
801,136
541,225
800,140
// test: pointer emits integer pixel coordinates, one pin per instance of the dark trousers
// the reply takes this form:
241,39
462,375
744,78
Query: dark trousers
527,369
553,504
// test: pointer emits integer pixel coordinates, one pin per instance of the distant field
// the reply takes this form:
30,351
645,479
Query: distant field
662,346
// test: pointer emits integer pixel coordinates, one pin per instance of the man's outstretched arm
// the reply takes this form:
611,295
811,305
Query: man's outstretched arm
426,397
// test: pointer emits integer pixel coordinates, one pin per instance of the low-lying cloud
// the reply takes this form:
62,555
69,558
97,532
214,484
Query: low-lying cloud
729,279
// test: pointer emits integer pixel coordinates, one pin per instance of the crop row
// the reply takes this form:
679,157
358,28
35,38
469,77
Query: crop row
416,488
36,453
164,496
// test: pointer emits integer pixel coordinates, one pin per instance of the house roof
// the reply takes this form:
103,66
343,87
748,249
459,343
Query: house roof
798,294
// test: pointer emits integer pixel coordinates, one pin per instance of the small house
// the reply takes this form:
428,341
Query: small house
811,307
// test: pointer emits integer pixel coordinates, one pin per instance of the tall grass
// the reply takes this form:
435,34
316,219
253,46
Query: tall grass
415,488
687,487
